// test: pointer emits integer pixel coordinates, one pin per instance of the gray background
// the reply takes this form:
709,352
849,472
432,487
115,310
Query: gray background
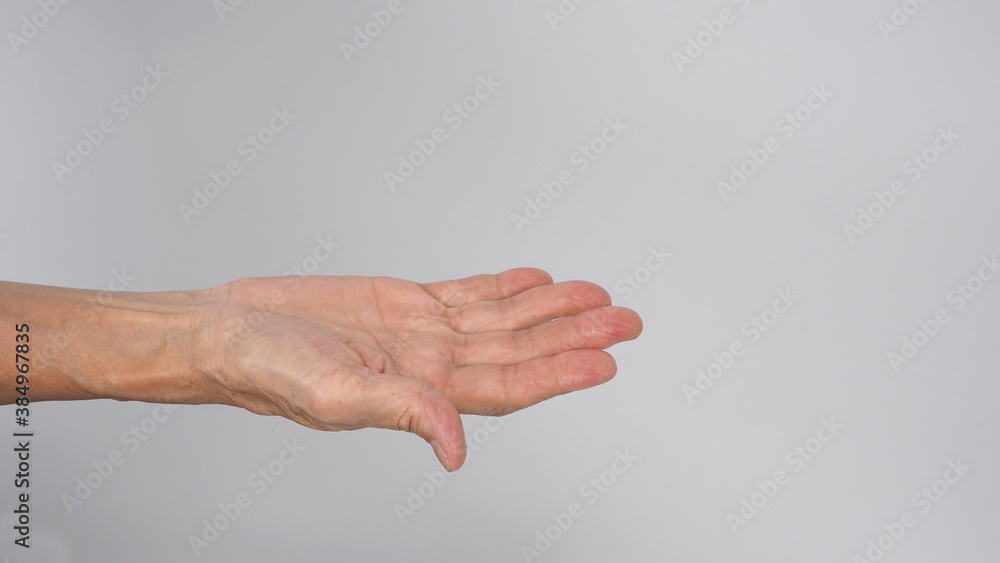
323,176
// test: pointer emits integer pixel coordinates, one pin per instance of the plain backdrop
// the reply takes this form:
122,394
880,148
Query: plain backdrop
694,91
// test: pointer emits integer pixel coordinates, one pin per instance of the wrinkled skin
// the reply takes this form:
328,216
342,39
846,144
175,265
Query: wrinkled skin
339,353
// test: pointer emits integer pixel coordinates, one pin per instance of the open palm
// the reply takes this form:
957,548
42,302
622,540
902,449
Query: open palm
338,353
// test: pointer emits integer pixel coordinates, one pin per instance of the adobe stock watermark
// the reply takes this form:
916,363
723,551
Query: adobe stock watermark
699,43
926,499
121,107
249,149
913,169
258,481
562,12
32,25
958,298
292,278
788,126
417,497
580,160
105,467
225,7
796,460
365,33
455,116
899,17
753,329
630,283
591,491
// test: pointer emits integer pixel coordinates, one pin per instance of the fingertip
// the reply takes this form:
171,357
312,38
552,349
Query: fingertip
451,457
447,435
587,295
413,406
635,324
603,368
620,323
455,458
606,299
523,279
590,368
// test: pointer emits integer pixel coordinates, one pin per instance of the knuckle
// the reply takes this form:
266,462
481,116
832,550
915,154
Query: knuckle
408,417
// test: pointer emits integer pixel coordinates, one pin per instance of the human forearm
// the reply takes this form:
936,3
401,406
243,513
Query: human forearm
329,352
85,344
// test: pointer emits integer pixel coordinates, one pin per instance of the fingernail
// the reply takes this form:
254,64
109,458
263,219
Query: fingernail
442,455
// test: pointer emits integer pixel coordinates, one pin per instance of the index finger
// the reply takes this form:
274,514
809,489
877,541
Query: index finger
483,287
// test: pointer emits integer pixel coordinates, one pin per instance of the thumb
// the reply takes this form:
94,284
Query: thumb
399,403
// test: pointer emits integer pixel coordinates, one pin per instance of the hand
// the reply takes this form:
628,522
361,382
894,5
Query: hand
339,353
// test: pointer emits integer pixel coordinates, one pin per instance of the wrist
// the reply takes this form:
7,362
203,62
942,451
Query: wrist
171,353
127,346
